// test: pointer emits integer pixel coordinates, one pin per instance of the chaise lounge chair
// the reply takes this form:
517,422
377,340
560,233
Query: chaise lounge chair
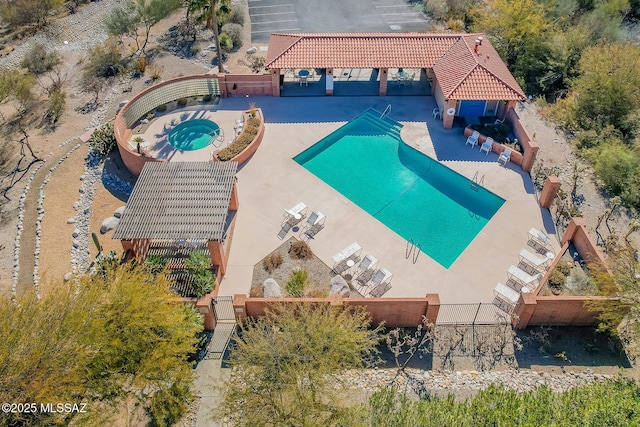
297,212
539,238
506,294
523,278
473,138
350,253
537,263
487,145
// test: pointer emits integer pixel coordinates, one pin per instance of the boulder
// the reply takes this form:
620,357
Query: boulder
252,49
271,289
68,276
118,213
339,287
71,221
109,224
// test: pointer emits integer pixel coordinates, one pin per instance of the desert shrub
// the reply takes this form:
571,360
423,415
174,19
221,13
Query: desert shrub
253,61
105,263
203,280
300,250
241,142
558,276
499,132
56,104
161,108
297,282
105,60
235,32
437,8
155,264
615,165
140,65
39,59
456,25
226,42
207,98
182,102
103,140
272,262
237,15
155,73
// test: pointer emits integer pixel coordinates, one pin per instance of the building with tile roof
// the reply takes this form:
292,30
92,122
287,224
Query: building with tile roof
467,76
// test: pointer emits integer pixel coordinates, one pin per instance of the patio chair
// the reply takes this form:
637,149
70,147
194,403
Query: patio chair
506,294
381,282
314,224
473,139
366,268
537,263
539,238
487,145
304,80
523,278
505,156
437,113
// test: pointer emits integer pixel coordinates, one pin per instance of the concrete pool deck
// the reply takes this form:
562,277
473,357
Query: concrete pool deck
272,181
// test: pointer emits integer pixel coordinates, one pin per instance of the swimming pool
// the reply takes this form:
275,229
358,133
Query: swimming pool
415,196
193,134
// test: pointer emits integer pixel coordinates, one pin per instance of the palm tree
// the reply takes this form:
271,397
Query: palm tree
203,9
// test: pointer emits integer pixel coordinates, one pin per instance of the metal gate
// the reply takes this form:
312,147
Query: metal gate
225,326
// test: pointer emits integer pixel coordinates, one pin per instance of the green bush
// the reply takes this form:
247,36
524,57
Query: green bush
237,15
207,98
297,282
161,108
615,165
155,264
235,32
226,43
105,60
203,280
103,140
39,59
242,141
56,104
499,132
182,102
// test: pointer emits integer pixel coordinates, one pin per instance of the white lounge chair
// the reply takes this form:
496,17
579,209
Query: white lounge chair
534,261
539,237
522,277
381,282
473,138
351,252
487,145
297,212
505,156
437,113
507,294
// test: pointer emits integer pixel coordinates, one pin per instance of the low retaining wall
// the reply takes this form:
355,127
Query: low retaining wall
394,312
245,84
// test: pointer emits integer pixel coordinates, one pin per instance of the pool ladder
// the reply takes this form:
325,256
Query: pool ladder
476,182
386,111
412,250
219,137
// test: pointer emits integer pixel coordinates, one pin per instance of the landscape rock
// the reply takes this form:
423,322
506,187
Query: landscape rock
339,287
109,224
252,49
271,289
68,276
118,213
71,221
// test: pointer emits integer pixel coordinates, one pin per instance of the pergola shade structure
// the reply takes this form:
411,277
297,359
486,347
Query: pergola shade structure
178,203
179,200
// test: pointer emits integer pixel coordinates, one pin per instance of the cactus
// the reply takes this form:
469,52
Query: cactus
94,236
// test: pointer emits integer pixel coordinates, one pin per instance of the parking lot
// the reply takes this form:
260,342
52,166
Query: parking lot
332,16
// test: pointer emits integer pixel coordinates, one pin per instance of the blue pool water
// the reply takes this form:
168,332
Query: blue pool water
193,134
415,196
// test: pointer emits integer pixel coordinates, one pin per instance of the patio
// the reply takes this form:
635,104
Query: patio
271,181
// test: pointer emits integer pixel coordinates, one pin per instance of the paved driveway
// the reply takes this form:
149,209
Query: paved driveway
332,16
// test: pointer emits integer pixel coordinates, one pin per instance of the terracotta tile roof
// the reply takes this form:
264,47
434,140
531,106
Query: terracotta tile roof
465,74
462,73
357,50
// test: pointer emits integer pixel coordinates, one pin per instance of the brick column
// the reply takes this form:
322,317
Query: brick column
572,228
275,82
240,308
384,77
218,257
447,119
524,310
549,190
203,305
529,157
233,202
222,83
433,307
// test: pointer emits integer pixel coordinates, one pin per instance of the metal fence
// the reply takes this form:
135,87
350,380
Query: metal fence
225,326
472,314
